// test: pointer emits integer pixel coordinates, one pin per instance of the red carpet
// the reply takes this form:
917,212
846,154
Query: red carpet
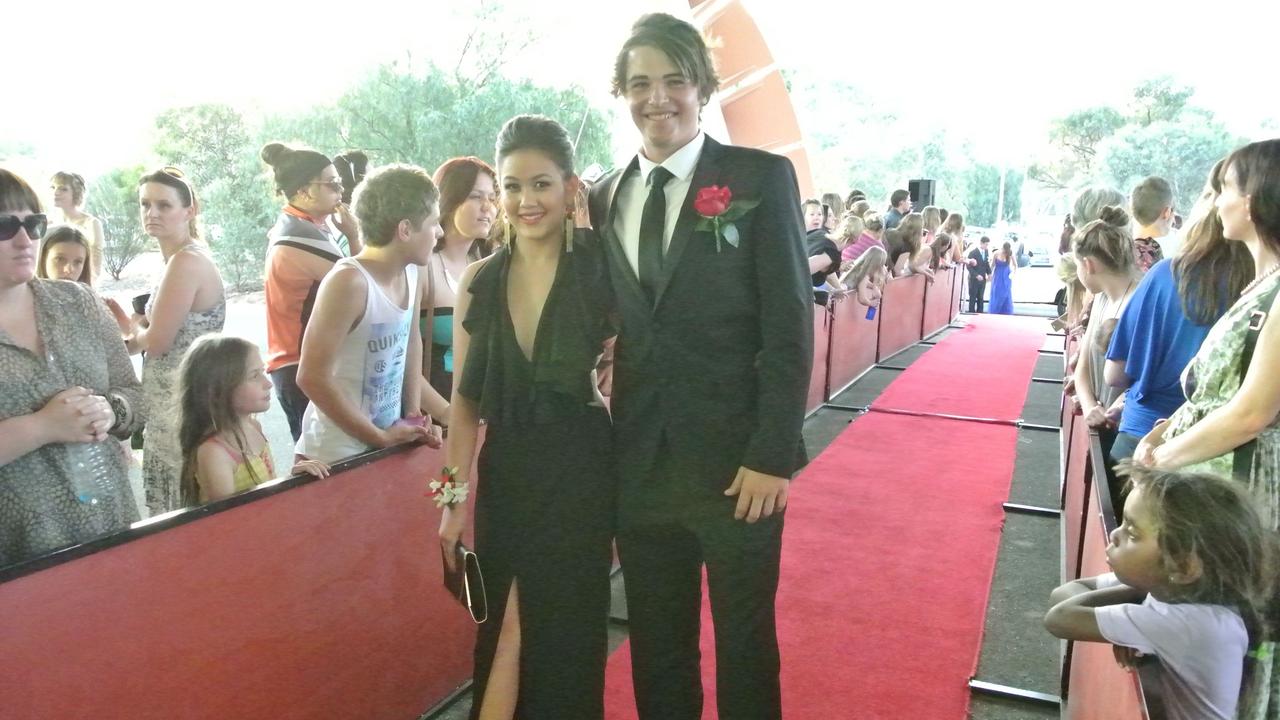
891,540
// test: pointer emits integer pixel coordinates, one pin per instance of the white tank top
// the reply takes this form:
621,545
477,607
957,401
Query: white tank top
369,370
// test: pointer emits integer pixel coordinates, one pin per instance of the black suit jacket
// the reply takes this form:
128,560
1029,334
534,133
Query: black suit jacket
720,364
983,267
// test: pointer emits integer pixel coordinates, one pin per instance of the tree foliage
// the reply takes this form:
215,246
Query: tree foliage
1160,134
1181,152
211,144
1074,143
206,141
982,191
113,199
1159,100
425,116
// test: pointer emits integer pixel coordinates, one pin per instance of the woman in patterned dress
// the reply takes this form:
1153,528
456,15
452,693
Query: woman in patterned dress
187,303
65,385
1227,410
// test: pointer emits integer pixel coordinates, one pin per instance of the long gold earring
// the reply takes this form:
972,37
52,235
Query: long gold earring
568,232
506,232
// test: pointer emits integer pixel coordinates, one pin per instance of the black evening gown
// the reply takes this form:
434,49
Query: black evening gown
546,495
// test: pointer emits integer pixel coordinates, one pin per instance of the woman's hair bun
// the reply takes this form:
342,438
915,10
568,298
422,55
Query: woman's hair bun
273,153
1114,215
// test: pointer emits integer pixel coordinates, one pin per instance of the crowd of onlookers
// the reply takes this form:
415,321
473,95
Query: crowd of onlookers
840,232
1175,368
72,406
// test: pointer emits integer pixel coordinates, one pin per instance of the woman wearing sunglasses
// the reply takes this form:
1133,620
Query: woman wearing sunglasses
66,384
303,246
187,303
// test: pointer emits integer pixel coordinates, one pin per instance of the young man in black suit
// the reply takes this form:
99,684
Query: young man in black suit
711,371
979,271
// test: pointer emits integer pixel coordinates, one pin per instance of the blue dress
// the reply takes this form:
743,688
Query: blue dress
1001,289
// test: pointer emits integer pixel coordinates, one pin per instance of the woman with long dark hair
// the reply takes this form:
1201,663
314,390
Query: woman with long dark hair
530,323
1003,268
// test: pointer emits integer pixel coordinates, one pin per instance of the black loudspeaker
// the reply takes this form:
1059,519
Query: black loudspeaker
921,193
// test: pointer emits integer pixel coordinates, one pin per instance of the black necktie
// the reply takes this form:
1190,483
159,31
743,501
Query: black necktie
652,224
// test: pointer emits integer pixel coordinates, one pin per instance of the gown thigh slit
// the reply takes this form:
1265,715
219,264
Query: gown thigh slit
545,494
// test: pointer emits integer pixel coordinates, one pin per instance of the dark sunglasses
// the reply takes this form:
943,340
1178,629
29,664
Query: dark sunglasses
35,225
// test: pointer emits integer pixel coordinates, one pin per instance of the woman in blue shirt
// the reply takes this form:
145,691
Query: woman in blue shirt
1166,321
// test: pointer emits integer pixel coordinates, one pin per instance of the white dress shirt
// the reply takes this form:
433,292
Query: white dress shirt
634,191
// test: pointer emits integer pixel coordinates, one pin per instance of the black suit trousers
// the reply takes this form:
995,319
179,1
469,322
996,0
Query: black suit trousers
662,559
976,290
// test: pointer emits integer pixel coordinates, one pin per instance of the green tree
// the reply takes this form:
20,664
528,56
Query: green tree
1159,100
205,141
1181,152
113,199
211,144
424,117
982,191
240,210
1073,146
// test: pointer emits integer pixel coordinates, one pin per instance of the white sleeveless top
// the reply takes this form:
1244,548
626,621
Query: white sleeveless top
369,370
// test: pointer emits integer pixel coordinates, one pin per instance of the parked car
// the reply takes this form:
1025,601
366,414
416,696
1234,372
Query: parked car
1041,249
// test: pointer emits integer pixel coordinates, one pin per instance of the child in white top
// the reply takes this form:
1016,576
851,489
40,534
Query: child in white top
1190,583
361,362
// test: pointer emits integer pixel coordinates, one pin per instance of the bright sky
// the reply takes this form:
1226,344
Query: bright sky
997,71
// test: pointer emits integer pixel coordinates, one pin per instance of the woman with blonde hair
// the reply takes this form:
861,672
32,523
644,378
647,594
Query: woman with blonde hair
68,196
866,276
835,209
1103,252
932,219
871,236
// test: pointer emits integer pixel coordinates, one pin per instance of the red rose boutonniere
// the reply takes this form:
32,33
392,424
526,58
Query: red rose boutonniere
718,210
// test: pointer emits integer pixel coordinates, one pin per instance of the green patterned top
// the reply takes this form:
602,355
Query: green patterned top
1213,377
1210,381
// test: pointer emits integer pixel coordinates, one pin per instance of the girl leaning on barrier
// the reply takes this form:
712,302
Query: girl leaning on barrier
66,384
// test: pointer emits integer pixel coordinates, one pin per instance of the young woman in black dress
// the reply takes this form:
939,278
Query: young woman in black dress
531,321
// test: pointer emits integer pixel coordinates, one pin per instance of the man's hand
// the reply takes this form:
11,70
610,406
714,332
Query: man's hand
759,495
